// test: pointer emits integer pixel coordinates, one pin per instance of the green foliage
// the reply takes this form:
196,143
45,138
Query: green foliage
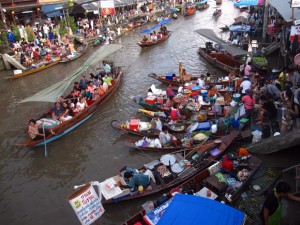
3,34
71,22
16,32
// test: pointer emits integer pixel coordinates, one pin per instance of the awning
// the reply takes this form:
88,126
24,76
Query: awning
195,210
211,35
285,10
52,10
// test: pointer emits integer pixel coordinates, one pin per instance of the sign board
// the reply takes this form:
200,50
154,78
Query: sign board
107,7
244,2
295,3
295,30
296,22
87,204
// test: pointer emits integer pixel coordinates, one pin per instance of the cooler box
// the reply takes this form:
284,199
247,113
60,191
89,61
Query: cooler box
169,76
134,124
151,100
203,126
196,90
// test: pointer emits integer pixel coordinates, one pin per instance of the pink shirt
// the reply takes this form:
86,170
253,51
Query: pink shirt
248,101
247,70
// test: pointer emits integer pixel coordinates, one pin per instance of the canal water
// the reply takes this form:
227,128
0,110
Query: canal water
34,189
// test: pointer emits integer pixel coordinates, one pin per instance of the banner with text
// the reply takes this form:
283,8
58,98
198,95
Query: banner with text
107,7
245,2
295,30
295,3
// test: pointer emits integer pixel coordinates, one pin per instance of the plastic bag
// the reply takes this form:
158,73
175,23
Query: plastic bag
157,143
256,136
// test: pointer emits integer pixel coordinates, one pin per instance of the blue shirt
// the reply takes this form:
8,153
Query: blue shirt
137,179
106,68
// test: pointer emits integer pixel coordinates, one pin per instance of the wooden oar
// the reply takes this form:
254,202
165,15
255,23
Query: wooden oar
45,144
193,151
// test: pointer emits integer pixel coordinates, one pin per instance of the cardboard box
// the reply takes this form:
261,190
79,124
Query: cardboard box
109,191
134,124
151,100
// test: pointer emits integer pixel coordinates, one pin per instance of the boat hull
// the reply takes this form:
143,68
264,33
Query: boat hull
149,44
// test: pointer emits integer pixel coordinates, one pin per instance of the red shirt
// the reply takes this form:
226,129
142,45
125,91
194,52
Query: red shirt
248,101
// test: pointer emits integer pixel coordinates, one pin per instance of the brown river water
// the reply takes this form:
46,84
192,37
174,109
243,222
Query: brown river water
34,189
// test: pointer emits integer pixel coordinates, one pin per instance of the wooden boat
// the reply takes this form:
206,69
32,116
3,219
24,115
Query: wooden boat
205,184
27,72
143,44
176,82
217,13
119,126
189,10
65,127
203,6
220,60
291,175
277,143
80,52
200,158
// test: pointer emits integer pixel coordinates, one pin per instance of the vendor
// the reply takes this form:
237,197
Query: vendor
167,139
156,124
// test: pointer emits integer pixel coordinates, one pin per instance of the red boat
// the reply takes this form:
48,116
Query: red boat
144,44
189,10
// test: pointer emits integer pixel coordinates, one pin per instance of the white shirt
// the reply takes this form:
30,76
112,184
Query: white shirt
158,124
246,84
201,83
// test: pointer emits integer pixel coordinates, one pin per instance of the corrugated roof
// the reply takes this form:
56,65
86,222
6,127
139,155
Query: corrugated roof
285,10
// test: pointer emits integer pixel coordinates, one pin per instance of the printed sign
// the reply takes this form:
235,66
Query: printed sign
107,7
86,204
154,216
295,30
295,3
244,2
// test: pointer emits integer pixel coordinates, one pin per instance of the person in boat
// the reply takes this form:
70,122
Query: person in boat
80,105
66,114
145,39
57,111
134,178
207,79
170,92
106,67
48,58
72,48
83,83
249,102
212,91
246,84
107,80
169,103
175,114
271,213
102,89
33,130
267,110
156,123
271,91
36,55
282,79
201,81
90,90
167,139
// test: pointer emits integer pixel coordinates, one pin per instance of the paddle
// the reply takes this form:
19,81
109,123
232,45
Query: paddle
45,144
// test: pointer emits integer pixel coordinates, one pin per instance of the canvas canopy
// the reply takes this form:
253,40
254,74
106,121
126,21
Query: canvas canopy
52,93
195,210
210,34
163,22
285,10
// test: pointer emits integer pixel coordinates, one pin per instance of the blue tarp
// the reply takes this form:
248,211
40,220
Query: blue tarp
195,210
147,31
50,8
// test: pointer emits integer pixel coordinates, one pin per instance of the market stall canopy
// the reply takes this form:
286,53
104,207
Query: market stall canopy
285,10
195,210
211,35
52,10
88,6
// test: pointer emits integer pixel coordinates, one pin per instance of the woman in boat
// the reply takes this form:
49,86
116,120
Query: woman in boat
48,58
249,102
81,105
167,139
66,114
101,90
145,39
156,124
170,92
33,130
175,114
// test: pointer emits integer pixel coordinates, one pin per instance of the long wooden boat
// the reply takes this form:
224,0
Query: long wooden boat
191,10
202,6
175,82
277,143
199,158
119,126
83,49
65,127
143,44
41,67
218,13
203,183
221,61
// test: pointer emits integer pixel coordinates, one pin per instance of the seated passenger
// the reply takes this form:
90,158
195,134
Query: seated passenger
48,58
107,80
102,90
66,114
145,39
57,111
33,130
81,105
167,139
90,89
